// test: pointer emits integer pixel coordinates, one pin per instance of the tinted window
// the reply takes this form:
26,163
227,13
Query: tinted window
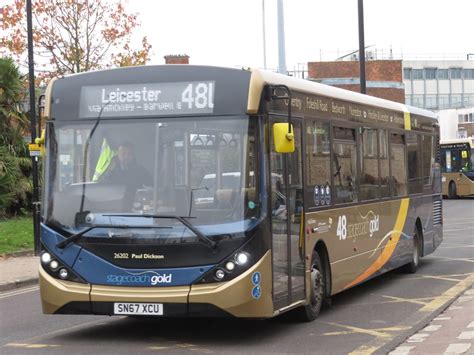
414,163
345,166
369,179
398,166
318,190
384,165
428,158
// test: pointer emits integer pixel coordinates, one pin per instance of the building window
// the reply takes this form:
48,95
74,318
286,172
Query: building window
407,73
408,99
468,100
456,100
468,73
430,101
417,74
443,101
430,73
455,73
443,74
460,118
417,100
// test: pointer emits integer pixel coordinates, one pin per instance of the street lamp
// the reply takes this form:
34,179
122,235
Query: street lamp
34,159
363,89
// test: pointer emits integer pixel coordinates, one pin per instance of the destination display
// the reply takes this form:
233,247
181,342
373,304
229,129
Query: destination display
152,99
325,107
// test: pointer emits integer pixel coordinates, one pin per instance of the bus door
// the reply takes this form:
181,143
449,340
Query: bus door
287,215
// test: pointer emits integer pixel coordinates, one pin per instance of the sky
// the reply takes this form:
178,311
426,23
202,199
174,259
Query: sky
230,32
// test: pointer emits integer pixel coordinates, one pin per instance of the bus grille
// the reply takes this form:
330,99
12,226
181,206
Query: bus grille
437,212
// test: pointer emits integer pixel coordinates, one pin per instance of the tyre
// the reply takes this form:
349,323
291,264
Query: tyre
412,266
311,311
452,192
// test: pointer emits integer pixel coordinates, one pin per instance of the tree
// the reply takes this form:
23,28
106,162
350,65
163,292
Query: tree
15,164
73,36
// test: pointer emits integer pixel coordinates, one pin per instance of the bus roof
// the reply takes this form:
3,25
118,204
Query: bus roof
469,140
260,78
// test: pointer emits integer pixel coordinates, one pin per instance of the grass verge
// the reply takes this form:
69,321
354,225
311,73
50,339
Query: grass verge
16,234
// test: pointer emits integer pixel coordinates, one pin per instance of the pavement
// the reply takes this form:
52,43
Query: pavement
18,270
451,332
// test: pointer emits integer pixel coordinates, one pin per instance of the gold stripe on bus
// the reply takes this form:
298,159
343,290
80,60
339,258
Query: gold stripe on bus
389,248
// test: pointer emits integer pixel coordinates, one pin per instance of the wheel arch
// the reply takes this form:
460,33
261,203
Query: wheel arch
321,248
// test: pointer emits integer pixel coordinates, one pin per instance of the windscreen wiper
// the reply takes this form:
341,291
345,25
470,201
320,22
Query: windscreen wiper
181,219
76,236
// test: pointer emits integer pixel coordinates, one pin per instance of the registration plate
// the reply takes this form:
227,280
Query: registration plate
150,309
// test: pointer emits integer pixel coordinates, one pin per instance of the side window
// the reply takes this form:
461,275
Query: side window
415,181
318,191
345,165
398,166
369,179
428,158
384,165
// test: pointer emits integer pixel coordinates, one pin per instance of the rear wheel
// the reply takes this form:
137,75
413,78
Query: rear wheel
411,267
310,312
452,191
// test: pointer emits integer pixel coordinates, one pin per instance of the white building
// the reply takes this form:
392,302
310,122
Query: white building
439,84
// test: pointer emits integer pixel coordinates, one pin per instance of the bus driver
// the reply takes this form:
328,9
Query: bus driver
124,169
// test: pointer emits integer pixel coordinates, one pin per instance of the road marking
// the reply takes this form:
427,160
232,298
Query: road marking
442,318
401,350
457,247
444,258
374,332
448,295
457,349
18,292
417,338
437,303
408,300
469,335
357,330
457,230
32,346
432,328
442,277
471,325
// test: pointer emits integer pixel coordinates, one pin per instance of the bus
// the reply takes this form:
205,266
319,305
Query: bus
457,166
181,191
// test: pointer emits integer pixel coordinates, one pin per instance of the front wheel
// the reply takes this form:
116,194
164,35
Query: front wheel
412,266
311,311
452,191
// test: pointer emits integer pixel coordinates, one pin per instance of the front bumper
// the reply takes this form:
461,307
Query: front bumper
232,298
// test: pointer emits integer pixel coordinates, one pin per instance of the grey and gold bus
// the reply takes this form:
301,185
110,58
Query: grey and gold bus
186,190
457,166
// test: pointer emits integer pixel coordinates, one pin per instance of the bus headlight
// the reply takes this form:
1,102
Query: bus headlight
241,258
55,268
230,266
54,265
45,258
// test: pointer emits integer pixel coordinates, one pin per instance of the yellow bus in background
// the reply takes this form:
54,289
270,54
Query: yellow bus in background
457,164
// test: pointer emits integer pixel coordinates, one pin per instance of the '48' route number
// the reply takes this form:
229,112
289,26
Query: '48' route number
341,230
199,95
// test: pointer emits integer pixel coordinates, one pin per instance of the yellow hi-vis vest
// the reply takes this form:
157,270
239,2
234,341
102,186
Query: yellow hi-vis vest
105,158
